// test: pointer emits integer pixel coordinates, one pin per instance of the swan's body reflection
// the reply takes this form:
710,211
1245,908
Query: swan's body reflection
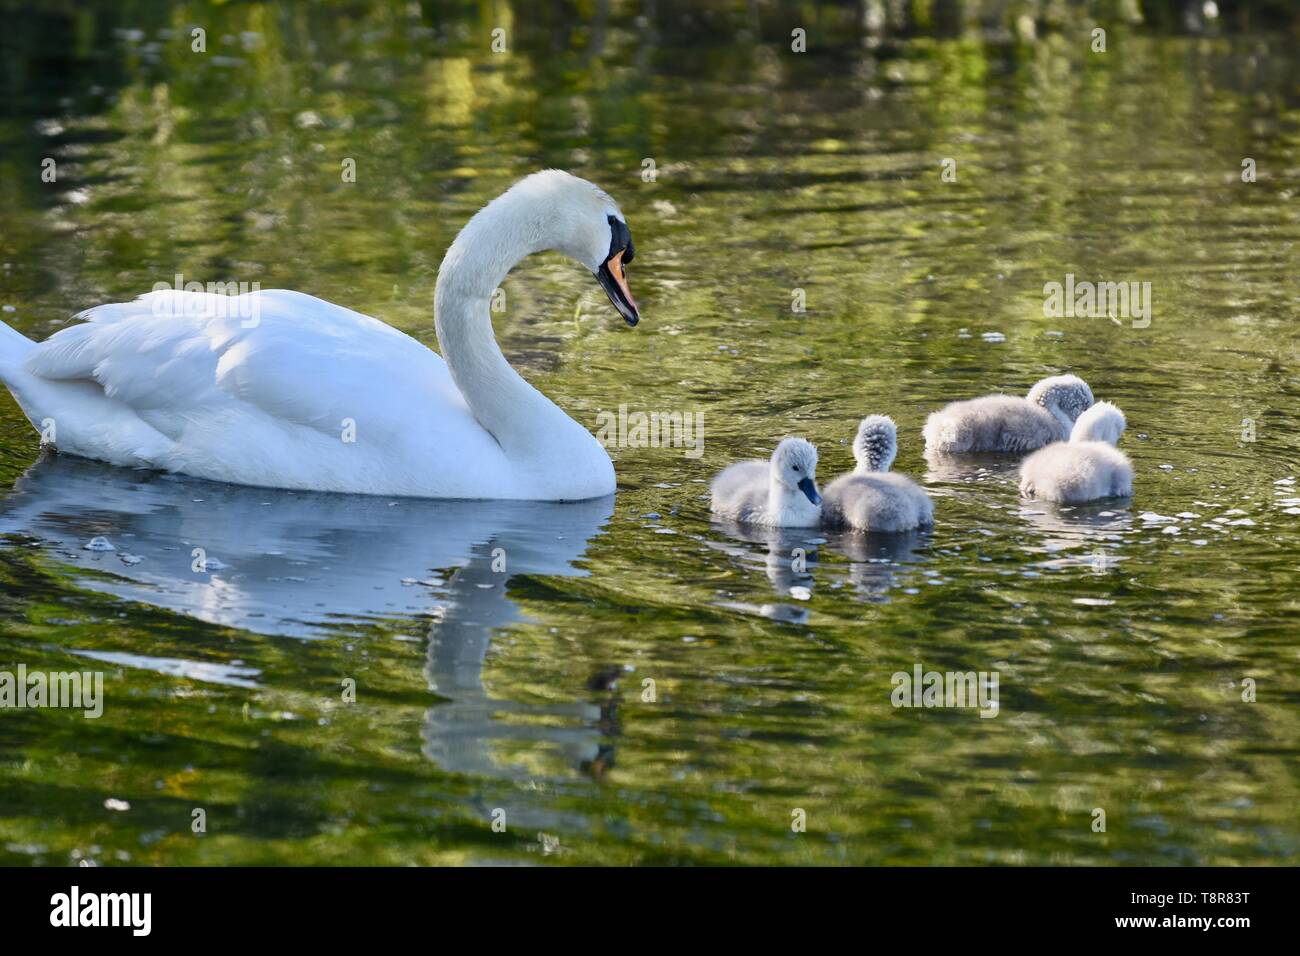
792,562
303,564
877,559
1087,534
789,562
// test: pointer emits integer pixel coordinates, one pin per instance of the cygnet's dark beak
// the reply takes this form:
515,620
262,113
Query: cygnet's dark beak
809,488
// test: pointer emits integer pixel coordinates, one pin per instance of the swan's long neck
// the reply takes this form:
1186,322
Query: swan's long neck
506,230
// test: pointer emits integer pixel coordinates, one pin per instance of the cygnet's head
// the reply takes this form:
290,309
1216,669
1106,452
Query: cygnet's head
1103,422
581,220
876,444
1065,396
794,466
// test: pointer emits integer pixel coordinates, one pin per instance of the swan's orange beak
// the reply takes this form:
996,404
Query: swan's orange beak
613,279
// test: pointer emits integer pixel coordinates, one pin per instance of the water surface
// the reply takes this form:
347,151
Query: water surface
500,652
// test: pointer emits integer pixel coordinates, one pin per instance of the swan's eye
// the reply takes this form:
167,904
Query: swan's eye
620,240
796,467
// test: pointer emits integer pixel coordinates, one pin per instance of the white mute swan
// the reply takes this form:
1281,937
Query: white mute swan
1085,468
309,395
871,498
1007,423
780,493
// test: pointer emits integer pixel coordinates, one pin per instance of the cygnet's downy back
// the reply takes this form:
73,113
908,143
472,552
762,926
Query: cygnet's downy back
871,498
1088,467
1005,423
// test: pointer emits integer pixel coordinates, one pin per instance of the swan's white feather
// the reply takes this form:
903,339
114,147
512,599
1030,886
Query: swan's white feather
991,423
174,380
739,492
1075,472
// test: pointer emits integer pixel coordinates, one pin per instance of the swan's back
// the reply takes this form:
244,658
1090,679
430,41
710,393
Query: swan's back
287,354
1003,423
879,501
740,491
261,389
1073,472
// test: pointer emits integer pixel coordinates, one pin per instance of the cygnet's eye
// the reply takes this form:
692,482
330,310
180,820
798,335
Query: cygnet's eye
796,467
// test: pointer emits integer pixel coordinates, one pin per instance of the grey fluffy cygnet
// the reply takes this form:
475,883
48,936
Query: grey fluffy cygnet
779,493
1085,468
871,498
1007,423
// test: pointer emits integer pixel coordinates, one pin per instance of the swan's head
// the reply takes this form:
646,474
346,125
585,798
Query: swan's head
1065,396
794,466
1103,422
583,222
876,444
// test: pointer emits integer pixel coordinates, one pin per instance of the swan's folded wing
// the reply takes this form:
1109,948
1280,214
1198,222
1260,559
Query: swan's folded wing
174,356
140,357
317,364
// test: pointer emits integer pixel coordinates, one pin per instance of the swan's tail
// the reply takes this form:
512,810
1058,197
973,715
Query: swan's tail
14,347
